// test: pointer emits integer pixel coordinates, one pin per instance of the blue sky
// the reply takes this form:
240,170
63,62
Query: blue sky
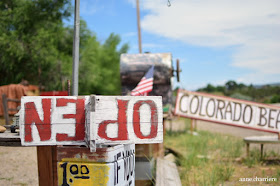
215,40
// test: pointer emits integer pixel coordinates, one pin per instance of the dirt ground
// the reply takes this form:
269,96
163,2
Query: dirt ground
19,164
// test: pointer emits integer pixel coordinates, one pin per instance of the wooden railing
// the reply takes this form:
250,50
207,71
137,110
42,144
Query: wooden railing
6,109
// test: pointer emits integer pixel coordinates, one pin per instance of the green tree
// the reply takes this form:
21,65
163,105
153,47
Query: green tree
275,99
220,89
210,88
99,65
30,35
264,93
231,85
36,46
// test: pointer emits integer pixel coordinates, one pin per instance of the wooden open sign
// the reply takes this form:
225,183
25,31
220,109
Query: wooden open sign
124,119
63,120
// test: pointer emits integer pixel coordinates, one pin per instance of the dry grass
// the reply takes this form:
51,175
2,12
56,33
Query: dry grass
215,159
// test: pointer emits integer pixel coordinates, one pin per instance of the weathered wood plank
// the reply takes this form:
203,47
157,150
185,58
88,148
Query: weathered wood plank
230,111
52,120
70,120
261,139
14,100
117,173
125,119
107,166
167,173
104,154
9,139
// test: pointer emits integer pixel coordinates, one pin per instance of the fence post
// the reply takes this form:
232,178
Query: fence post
5,108
192,125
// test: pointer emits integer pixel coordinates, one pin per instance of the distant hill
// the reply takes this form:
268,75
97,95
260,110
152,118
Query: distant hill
270,84
266,93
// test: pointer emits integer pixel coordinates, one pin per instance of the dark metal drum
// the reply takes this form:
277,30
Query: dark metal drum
134,66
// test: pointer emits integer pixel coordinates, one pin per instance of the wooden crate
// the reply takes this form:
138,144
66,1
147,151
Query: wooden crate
64,165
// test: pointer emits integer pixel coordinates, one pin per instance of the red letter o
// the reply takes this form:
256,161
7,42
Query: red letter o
136,119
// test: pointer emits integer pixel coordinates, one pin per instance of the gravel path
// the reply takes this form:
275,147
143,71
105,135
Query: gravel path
18,166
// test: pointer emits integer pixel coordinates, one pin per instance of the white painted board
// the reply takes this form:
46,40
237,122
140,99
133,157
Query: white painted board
118,169
118,173
106,153
70,120
226,110
125,119
52,120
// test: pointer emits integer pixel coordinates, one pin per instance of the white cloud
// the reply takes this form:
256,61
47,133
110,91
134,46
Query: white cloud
253,26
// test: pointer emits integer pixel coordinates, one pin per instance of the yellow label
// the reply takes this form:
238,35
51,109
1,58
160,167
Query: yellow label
74,174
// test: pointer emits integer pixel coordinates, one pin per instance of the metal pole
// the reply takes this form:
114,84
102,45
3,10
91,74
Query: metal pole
139,27
76,43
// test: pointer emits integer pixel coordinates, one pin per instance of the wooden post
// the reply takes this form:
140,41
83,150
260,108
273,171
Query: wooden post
261,151
5,108
247,149
47,168
192,124
112,165
170,123
195,125
159,147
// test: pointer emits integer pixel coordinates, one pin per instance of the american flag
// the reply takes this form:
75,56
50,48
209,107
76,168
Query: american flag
145,85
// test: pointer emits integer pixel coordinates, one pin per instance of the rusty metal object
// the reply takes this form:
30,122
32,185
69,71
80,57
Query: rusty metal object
134,66
178,70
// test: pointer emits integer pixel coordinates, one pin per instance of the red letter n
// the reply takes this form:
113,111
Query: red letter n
31,116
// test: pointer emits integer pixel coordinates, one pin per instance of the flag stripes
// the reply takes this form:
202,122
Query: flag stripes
145,85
